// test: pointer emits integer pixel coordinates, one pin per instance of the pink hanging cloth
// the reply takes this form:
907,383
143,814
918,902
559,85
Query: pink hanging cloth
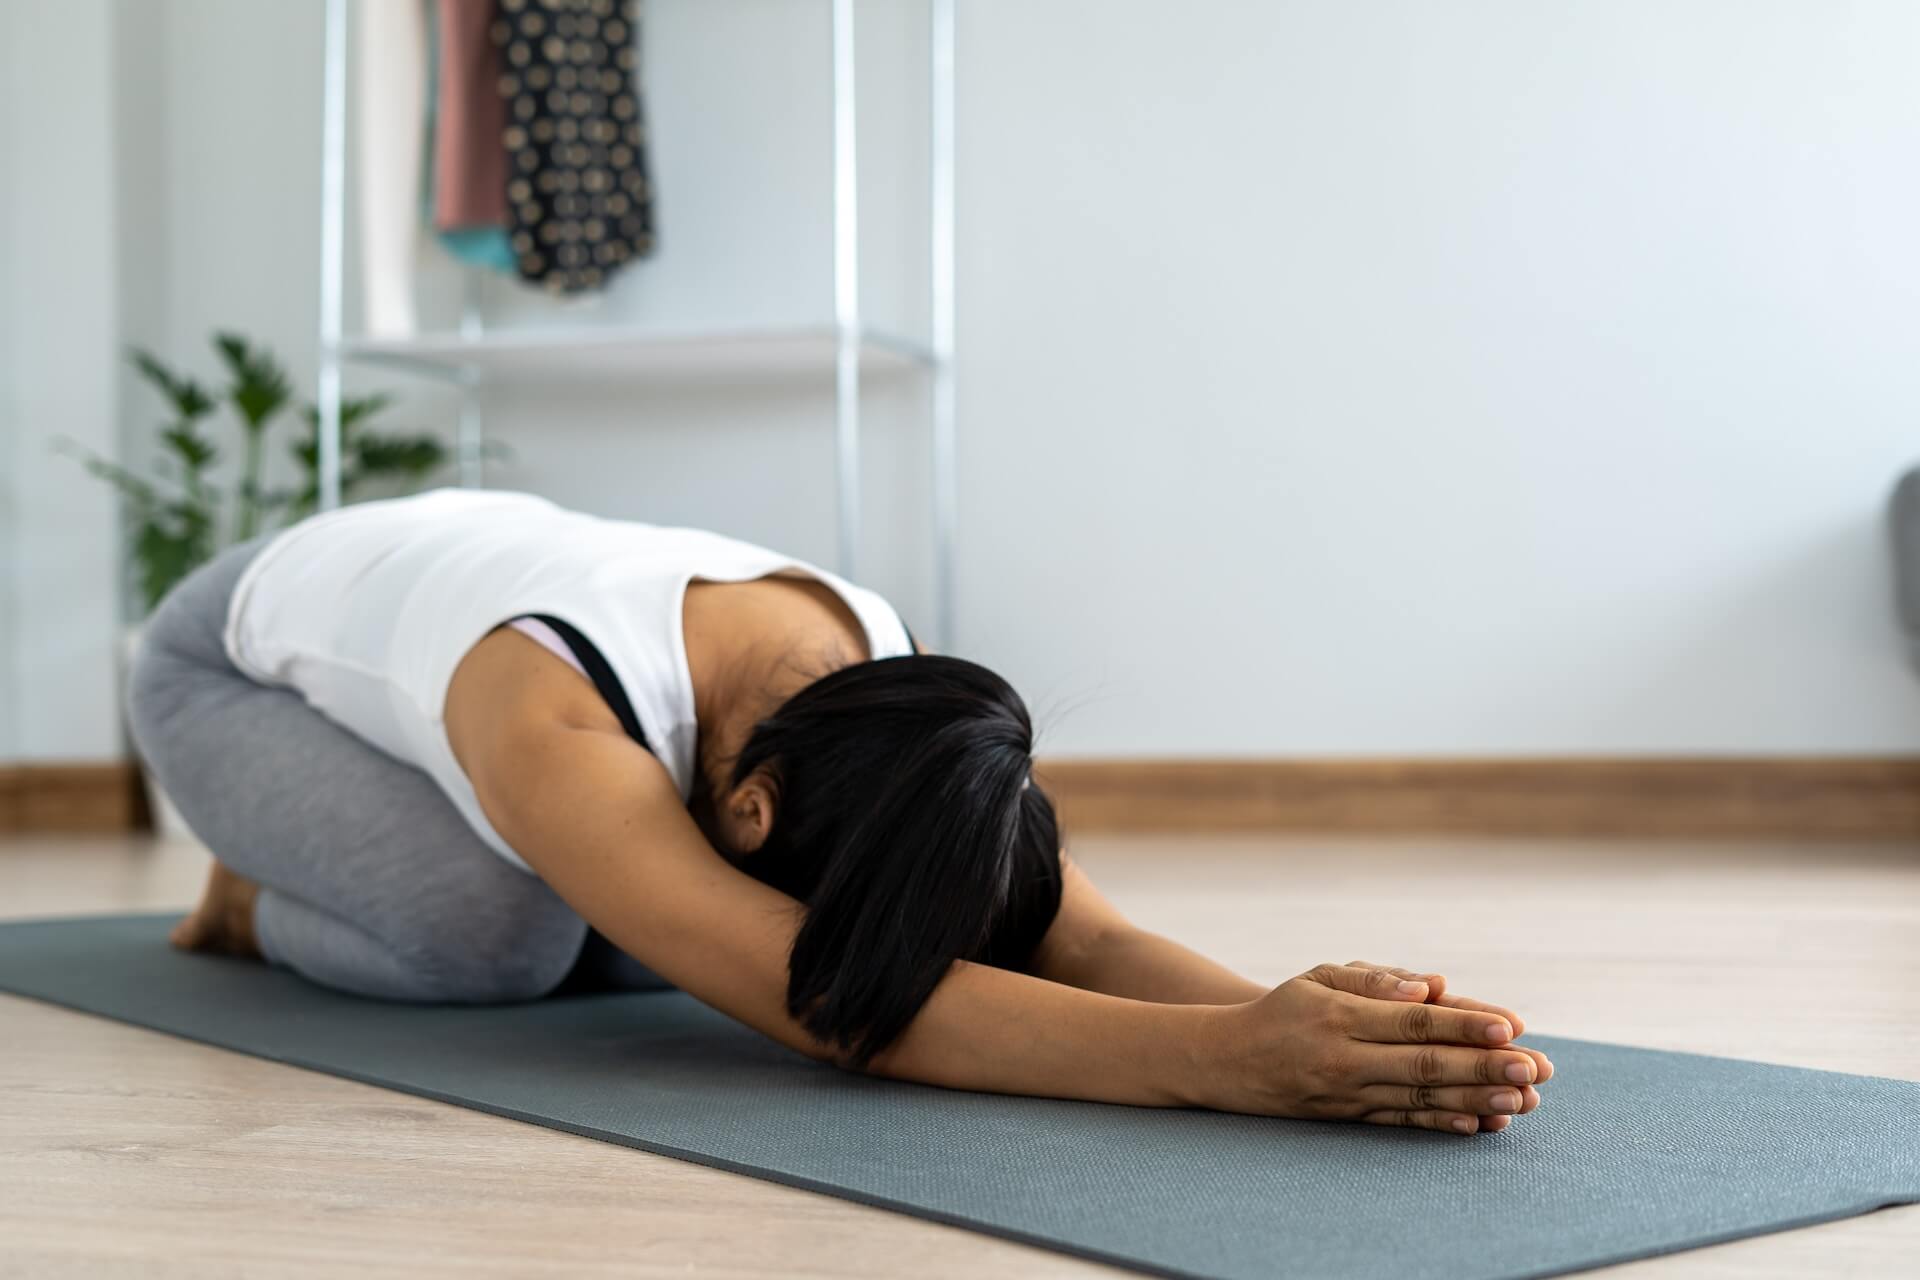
470,116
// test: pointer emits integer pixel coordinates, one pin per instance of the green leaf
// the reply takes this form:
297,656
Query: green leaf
260,387
234,352
392,455
353,411
168,548
194,450
186,396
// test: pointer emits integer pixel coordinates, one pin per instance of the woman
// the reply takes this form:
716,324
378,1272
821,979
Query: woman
470,746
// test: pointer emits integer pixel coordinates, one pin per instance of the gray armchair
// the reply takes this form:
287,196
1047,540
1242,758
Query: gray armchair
1904,525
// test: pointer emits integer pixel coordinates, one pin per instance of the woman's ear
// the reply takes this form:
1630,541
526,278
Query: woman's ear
746,812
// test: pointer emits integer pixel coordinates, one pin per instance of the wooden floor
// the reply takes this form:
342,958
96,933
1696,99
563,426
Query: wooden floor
124,1152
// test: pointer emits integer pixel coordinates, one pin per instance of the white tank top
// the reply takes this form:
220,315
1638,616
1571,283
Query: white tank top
367,610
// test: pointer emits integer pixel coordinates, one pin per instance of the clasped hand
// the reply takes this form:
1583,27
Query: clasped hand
1380,1045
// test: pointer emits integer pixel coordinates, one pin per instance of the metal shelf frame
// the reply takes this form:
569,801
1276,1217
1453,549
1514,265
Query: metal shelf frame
441,356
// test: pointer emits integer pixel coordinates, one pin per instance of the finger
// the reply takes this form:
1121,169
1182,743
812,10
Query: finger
1462,1002
1444,1121
1494,1124
1436,983
1439,1064
1472,1099
1542,1067
1426,1024
1374,984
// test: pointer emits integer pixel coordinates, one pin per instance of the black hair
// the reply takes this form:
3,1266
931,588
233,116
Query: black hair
907,821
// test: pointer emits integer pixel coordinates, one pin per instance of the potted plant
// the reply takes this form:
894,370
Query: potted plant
184,514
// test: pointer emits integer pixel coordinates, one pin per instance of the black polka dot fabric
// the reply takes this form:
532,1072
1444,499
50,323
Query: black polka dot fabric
579,206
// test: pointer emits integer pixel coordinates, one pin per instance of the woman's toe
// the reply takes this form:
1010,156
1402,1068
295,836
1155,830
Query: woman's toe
189,933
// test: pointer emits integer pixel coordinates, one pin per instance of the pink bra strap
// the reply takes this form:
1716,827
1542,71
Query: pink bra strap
548,639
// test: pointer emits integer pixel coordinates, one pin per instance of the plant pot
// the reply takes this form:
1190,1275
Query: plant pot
167,822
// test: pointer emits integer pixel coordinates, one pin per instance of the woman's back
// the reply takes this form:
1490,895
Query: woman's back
368,610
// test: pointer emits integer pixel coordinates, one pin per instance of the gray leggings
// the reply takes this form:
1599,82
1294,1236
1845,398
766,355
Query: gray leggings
370,880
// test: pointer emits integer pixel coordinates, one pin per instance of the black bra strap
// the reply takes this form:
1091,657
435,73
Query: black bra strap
601,674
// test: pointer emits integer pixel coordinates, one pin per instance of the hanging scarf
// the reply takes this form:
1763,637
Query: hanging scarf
579,206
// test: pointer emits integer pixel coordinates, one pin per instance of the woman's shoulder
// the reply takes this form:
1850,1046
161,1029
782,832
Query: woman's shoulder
508,684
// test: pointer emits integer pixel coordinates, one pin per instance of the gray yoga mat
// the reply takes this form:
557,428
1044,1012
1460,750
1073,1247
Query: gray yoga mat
1635,1151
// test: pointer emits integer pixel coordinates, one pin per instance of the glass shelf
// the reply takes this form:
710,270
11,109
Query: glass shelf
604,354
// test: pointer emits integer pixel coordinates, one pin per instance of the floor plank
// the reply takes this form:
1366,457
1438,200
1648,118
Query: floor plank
124,1152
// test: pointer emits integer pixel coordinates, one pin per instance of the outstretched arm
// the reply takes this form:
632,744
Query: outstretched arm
1094,947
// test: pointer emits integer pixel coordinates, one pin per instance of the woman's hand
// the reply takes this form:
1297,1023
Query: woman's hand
1380,1045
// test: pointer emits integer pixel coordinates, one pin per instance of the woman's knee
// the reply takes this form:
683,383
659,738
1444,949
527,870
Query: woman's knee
159,684
499,956
181,658
494,979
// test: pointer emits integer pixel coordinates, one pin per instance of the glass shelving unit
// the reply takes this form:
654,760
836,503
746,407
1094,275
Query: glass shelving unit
473,355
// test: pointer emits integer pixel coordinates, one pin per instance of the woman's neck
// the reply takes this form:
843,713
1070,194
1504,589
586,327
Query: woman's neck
750,647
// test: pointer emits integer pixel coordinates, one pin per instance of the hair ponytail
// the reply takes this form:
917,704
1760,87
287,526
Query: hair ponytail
908,824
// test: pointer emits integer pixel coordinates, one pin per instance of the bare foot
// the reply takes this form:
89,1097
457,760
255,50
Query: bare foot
223,922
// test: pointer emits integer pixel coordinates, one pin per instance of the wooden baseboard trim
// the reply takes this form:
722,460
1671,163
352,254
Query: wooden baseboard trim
1827,797
1866,798
82,797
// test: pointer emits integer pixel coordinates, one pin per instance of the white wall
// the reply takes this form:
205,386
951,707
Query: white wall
58,331
1394,379
1469,378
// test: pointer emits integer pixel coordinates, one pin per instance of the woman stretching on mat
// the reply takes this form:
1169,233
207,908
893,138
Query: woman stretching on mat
469,746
